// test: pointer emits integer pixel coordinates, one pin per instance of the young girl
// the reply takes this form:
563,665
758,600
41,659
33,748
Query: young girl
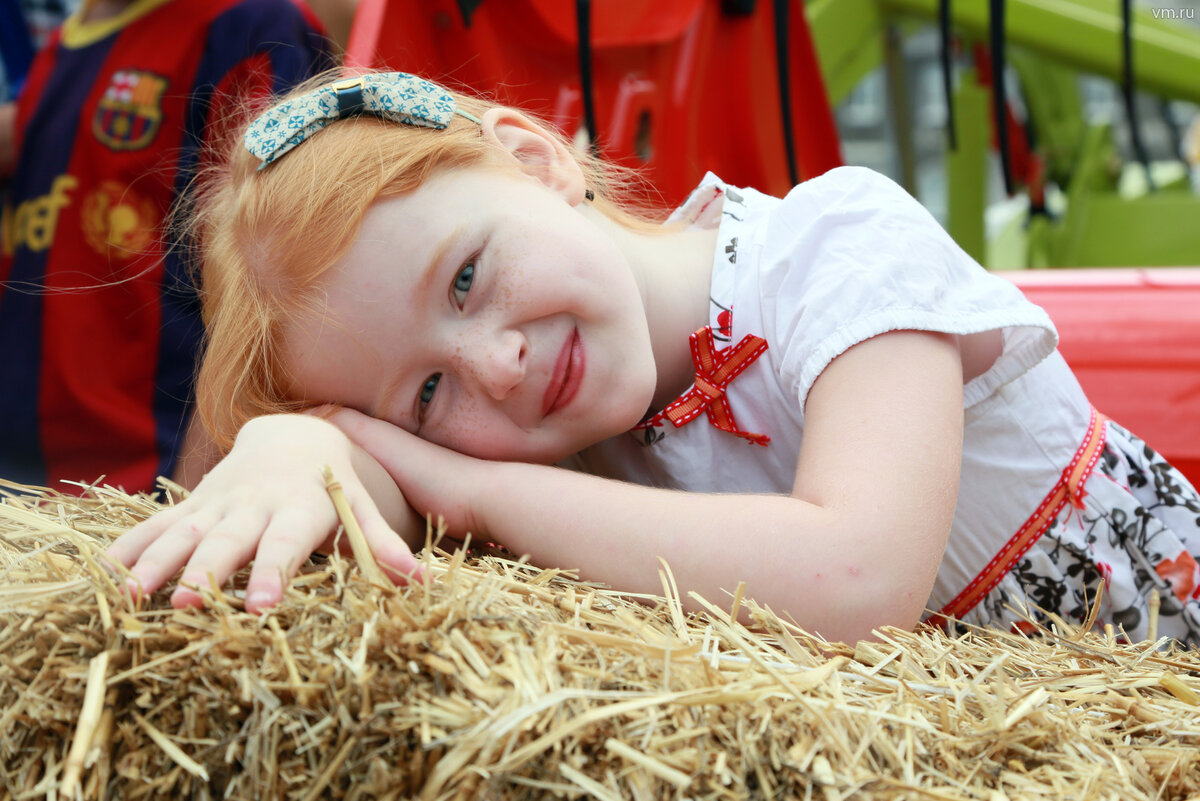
865,425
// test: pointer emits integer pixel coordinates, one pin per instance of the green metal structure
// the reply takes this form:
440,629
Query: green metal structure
1051,42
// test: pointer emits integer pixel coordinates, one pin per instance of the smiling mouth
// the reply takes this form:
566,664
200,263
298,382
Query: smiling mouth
567,375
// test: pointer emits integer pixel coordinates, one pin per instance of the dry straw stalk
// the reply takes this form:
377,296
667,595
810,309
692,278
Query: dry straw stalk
499,680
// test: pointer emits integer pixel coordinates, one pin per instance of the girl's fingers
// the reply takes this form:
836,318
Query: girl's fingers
129,546
277,525
224,549
163,557
288,540
379,438
353,424
388,548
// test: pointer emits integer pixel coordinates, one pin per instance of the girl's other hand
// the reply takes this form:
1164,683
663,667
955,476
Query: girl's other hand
266,501
437,481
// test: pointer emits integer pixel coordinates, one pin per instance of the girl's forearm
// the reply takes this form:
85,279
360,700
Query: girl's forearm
833,573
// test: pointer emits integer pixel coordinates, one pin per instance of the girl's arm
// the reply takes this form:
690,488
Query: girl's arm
856,545
266,501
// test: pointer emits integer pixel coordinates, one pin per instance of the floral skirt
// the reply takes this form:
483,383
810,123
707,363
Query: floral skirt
1139,530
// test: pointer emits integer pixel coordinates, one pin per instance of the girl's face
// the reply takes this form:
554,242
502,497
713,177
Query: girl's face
486,312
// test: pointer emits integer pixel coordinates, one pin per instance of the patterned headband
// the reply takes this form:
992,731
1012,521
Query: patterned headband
395,96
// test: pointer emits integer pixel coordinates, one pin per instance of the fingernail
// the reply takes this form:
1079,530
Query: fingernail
259,599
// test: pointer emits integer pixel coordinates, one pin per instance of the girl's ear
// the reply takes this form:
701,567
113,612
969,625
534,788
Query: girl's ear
540,154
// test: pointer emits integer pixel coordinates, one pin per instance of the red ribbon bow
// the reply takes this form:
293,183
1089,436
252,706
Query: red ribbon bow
715,368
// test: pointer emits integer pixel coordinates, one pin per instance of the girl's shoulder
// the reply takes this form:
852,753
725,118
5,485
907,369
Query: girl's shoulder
840,191
851,184
869,204
850,255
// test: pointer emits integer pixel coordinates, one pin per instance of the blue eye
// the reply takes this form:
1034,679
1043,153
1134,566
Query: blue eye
428,388
462,283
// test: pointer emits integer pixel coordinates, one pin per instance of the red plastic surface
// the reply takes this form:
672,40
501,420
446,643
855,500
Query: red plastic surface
1133,338
681,86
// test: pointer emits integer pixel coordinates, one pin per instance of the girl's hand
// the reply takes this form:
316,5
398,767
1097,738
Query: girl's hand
436,480
267,502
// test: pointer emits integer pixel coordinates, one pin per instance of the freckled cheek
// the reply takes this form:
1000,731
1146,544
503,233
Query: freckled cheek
512,294
475,431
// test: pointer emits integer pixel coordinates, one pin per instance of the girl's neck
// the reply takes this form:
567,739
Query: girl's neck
674,273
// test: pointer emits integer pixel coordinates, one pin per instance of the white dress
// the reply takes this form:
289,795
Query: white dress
1053,499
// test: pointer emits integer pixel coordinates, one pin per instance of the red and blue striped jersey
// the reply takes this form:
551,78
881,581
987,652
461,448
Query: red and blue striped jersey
99,319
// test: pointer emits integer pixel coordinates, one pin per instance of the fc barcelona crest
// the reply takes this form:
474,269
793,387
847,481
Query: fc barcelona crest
130,111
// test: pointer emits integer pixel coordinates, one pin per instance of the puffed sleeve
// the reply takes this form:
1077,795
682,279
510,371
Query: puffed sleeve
850,255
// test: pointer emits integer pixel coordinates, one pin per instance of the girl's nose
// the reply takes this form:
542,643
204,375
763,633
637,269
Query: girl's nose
498,363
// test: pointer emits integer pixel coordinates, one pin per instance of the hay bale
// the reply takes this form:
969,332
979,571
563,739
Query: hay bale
500,680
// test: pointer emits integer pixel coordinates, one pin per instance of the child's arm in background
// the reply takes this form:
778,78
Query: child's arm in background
267,502
8,138
857,545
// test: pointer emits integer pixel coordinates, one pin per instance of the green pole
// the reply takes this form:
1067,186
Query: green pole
966,167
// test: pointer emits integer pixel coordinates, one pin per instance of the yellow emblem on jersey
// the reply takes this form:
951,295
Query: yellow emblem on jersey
117,222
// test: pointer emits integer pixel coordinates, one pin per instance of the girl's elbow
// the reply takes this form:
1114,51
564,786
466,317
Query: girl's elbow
861,620
889,591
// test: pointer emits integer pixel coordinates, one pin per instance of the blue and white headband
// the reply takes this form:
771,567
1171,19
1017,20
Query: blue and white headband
395,96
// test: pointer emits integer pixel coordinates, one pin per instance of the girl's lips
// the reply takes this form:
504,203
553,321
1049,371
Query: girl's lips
567,376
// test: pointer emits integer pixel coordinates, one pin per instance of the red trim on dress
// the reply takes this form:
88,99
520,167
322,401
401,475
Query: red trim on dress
1068,489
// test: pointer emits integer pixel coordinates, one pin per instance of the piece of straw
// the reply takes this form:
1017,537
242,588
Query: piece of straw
1154,602
1177,688
670,774
89,718
169,748
358,541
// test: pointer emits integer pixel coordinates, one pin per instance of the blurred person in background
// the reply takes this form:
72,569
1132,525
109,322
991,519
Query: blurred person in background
338,17
99,318
25,25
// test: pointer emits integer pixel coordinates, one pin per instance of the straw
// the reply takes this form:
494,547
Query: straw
496,679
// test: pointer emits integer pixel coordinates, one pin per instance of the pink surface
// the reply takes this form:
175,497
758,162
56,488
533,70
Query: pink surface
1133,338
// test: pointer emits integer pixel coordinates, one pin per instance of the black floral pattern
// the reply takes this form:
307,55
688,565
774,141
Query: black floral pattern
1139,531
